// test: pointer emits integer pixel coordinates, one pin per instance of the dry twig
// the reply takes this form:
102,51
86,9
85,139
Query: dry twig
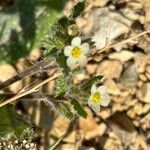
32,90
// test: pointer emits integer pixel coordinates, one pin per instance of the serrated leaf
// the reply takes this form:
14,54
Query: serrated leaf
13,124
61,86
78,9
61,60
57,37
88,84
79,108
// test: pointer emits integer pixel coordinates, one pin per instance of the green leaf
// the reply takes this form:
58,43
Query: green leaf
61,60
88,84
79,108
78,9
61,86
13,124
57,37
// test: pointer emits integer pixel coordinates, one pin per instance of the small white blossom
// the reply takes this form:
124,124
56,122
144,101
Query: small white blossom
77,53
99,96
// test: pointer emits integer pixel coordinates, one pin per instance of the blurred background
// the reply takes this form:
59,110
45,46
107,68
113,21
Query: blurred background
125,123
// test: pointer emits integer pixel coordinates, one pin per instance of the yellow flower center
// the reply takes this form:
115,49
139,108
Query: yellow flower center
96,97
76,52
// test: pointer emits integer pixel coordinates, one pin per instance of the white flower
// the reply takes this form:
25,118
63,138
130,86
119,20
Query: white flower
99,96
77,53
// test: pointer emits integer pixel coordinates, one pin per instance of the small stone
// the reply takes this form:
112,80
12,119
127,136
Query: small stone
60,127
102,129
145,122
6,72
113,144
136,123
143,77
129,13
122,56
138,108
147,75
139,84
123,127
140,61
118,107
104,113
148,68
91,68
131,113
139,143
110,69
129,78
144,93
106,26
146,108
130,102
92,129
112,87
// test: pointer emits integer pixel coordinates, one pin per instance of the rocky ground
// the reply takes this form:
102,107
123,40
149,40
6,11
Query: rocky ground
125,124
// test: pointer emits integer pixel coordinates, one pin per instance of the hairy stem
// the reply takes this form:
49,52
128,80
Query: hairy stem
41,66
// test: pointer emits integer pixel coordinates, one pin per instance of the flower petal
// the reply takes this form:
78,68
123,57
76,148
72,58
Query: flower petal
76,41
96,108
82,60
105,101
71,62
93,89
102,89
86,49
67,50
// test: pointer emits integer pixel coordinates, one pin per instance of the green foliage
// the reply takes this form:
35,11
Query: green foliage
57,37
61,86
78,9
86,86
81,112
61,60
21,29
13,124
23,26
